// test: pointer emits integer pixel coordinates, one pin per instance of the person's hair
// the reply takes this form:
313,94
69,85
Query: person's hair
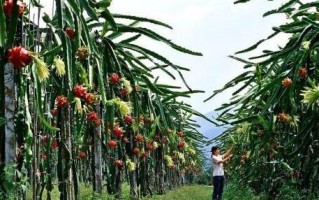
214,148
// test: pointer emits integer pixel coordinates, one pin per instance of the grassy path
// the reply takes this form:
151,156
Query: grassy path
189,192
204,192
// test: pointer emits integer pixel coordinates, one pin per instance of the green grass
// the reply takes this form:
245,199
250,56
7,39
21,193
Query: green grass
86,193
187,192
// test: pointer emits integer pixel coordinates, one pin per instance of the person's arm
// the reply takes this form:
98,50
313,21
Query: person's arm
218,161
228,152
225,159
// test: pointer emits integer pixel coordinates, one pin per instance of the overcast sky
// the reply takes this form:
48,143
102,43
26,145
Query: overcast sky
216,28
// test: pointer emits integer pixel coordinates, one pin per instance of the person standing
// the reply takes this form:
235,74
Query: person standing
218,161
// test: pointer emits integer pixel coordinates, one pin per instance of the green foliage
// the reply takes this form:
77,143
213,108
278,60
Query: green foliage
237,191
2,121
3,33
205,177
291,192
13,182
268,120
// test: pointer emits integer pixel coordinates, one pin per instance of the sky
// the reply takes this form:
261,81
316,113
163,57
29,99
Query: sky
216,28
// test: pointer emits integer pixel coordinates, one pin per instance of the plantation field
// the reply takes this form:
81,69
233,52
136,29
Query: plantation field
89,111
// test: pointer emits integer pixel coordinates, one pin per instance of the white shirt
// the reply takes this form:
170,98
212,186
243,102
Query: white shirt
218,169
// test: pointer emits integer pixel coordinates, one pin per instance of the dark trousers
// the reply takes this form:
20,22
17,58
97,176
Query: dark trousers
218,183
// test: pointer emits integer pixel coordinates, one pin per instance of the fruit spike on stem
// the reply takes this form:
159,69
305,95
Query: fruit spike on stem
79,91
82,155
123,92
82,53
8,7
181,145
303,72
136,151
119,163
118,132
139,138
90,98
19,57
91,116
180,134
128,119
61,101
114,78
70,32
286,82
112,144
